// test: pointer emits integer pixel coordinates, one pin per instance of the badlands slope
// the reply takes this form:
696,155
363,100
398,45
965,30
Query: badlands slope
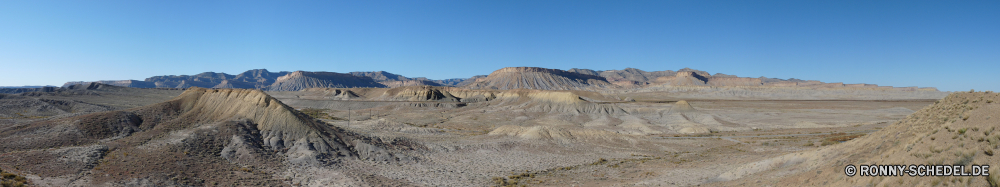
537,78
201,137
301,80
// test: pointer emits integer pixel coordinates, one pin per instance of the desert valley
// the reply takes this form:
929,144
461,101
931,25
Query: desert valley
516,126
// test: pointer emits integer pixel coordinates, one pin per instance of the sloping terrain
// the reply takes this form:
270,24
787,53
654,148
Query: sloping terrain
957,130
301,80
537,78
76,99
201,137
516,126
413,135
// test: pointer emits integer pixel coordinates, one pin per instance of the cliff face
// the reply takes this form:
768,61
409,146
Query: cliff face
537,78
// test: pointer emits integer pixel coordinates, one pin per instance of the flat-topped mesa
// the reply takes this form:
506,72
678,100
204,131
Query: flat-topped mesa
299,80
539,79
524,69
571,75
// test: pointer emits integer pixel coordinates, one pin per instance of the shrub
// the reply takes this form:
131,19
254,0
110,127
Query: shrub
828,142
12,180
599,162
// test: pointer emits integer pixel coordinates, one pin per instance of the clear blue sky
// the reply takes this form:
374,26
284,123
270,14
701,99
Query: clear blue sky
952,45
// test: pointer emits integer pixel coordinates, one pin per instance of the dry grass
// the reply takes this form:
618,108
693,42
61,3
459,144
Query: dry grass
12,180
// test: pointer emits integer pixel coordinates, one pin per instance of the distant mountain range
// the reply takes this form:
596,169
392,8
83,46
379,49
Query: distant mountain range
503,79
27,86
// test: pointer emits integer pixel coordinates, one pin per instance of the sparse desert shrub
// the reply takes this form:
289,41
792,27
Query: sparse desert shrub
12,180
828,142
599,162
964,159
992,179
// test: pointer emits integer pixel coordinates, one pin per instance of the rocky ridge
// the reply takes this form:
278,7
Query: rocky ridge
503,79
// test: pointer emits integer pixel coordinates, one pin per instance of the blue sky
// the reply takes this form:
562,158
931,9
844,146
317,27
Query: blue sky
951,45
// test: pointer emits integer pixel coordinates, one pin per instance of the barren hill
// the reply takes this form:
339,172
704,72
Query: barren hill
537,78
197,138
301,80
